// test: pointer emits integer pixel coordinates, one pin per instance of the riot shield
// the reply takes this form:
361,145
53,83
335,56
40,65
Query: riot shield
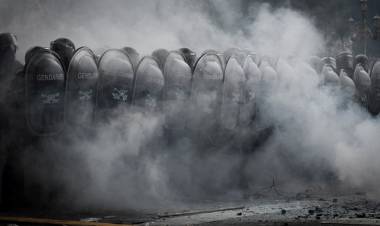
347,84
177,74
115,84
233,94
133,55
45,90
329,76
160,56
148,85
207,86
363,83
253,56
206,101
253,78
81,84
251,70
238,54
269,74
374,96
219,55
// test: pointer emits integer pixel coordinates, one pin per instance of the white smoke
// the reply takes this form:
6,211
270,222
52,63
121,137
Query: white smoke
319,136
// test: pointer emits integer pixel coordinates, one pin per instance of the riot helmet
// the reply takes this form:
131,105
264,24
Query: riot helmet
65,48
189,56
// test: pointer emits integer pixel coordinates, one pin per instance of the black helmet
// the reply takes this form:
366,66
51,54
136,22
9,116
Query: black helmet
133,55
65,48
189,56
362,60
8,47
8,40
160,56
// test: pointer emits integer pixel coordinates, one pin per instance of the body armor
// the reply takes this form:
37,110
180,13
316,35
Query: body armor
344,61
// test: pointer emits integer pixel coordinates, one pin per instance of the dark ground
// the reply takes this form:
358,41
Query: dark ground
266,208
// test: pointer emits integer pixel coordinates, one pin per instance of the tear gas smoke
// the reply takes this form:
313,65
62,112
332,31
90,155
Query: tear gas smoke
319,135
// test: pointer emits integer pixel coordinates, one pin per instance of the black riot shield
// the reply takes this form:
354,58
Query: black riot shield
374,96
81,84
148,85
45,90
115,84
233,96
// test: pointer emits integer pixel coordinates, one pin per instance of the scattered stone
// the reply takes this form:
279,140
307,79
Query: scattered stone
311,212
335,200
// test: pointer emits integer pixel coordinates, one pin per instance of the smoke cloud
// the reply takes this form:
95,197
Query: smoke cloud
318,136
